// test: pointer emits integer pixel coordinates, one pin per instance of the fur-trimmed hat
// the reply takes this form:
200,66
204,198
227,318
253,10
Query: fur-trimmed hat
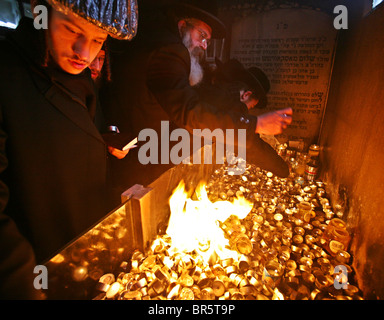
118,17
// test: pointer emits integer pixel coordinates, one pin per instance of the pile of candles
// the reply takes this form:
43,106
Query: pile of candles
292,245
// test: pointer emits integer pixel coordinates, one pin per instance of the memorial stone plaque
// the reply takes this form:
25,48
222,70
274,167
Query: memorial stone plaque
295,48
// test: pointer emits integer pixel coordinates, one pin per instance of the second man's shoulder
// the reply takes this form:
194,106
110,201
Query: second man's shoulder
172,51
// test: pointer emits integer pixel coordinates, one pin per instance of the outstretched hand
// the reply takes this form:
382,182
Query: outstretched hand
119,154
273,123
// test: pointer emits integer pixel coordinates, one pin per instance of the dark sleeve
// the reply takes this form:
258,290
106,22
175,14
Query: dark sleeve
261,153
17,262
168,79
17,259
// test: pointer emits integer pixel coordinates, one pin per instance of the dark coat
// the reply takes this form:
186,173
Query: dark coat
151,84
53,158
221,96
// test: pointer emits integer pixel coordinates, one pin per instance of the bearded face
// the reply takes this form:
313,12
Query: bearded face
196,53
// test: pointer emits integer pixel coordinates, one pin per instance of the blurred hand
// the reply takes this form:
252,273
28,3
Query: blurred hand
119,154
273,123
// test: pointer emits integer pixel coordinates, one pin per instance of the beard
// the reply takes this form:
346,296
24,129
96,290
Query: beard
196,53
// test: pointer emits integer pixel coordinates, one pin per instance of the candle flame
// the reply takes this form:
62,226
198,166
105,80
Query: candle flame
194,224
277,295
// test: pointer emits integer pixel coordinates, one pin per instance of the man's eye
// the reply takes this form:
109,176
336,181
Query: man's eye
71,30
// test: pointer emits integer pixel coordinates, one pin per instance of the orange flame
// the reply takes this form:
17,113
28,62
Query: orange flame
193,224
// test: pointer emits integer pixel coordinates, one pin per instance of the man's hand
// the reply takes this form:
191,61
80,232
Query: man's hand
275,122
119,154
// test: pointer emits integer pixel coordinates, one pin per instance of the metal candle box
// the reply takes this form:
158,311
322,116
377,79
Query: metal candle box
74,272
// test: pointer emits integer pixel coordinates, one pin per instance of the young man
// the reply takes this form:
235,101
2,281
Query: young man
53,160
156,81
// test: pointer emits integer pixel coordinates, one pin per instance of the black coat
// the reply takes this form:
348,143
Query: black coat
53,159
151,84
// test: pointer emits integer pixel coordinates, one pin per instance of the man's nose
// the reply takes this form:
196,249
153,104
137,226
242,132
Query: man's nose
82,49
204,44
96,64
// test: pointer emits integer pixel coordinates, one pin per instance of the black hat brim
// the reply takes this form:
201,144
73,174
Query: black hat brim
256,86
248,78
188,11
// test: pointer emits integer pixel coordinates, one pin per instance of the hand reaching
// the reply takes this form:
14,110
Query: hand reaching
273,123
119,154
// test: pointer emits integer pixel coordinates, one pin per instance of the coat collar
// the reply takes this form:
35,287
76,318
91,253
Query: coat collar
25,40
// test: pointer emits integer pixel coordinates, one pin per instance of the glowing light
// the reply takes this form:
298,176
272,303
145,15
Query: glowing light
194,224
10,25
277,295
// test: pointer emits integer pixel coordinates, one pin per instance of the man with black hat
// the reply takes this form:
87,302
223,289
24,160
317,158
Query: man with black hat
250,86
53,160
155,81
233,87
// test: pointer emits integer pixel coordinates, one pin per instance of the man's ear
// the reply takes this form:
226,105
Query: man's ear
181,25
245,95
